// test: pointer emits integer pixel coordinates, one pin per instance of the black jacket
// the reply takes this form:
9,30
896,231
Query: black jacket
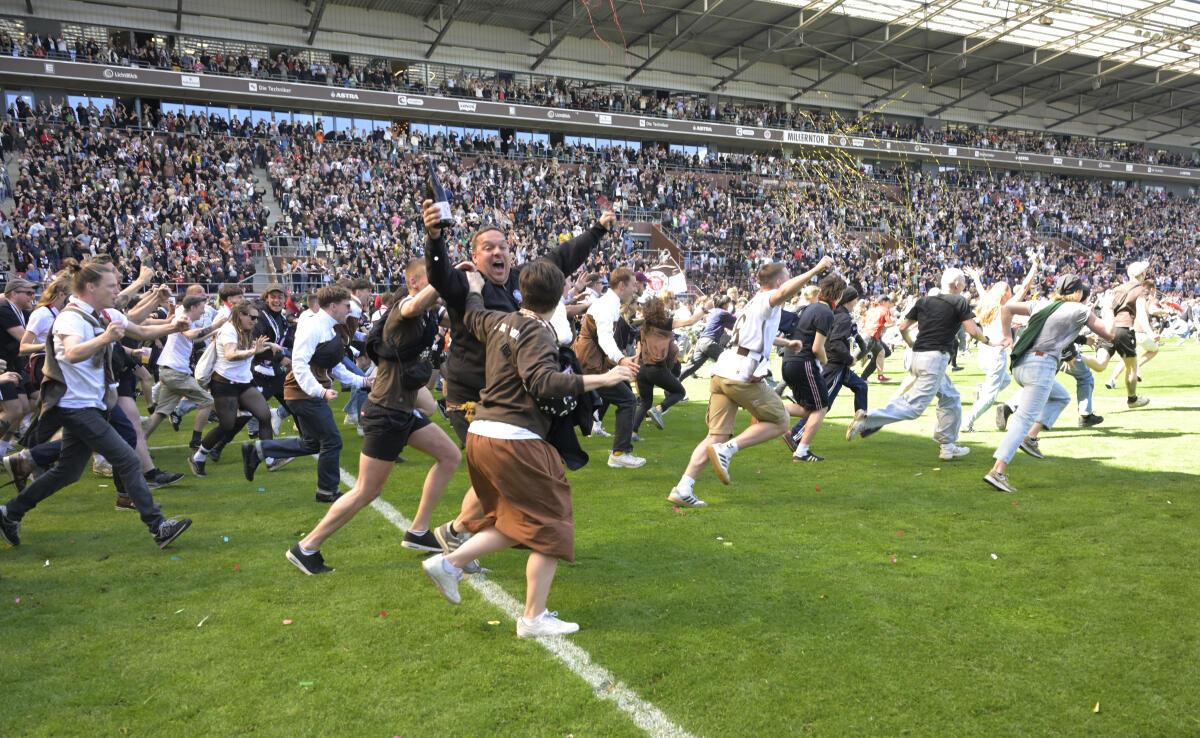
837,345
464,365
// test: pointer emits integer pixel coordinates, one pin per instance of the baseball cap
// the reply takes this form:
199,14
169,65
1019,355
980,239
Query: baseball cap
1068,284
1137,269
641,277
274,287
847,295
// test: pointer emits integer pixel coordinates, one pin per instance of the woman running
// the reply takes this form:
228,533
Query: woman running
657,356
993,360
232,384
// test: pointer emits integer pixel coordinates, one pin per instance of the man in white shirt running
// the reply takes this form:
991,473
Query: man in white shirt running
80,389
598,351
737,381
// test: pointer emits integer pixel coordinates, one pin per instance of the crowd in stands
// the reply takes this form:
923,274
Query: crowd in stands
179,195
582,95
185,206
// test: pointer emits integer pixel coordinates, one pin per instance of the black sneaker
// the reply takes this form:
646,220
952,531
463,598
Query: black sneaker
250,461
313,563
197,467
1003,413
1030,446
157,478
10,530
175,421
1087,421
215,454
424,542
171,529
328,497
810,456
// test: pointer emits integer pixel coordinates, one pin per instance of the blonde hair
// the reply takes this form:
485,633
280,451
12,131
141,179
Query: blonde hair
990,302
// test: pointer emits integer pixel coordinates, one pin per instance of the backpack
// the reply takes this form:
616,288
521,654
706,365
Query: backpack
206,363
414,357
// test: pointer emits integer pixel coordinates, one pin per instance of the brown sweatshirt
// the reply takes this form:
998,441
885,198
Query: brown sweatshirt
521,364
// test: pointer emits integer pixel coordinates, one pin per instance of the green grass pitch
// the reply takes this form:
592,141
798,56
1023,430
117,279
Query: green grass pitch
881,593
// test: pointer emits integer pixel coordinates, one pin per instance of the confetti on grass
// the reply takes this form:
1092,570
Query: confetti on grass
306,685
287,621
18,600
1096,709
994,557
493,622
203,620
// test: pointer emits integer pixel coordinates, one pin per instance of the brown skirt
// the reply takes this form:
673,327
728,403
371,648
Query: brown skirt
524,493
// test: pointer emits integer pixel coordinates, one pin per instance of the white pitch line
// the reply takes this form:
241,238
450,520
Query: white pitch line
604,685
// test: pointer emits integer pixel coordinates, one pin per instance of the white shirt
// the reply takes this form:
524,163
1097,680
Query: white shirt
310,333
755,330
562,325
85,380
606,311
238,370
177,349
40,321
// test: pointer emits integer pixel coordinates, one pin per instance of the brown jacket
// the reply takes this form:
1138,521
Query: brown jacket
587,348
521,360
657,346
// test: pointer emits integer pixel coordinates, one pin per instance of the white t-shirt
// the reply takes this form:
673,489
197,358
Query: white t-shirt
238,370
177,349
40,321
85,380
755,330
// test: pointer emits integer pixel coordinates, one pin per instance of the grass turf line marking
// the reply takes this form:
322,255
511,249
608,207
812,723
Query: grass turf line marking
604,685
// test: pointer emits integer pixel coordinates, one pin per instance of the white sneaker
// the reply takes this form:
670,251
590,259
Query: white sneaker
950,452
856,426
599,432
276,421
656,417
625,461
102,468
446,582
685,499
546,624
719,455
1141,401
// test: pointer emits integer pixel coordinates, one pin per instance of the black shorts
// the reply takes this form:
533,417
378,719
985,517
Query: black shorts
222,388
127,385
1124,343
13,390
803,377
386,432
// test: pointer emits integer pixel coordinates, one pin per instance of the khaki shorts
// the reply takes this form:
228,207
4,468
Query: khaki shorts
728,395
176,386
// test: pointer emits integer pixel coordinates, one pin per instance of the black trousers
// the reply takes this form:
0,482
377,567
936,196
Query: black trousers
649,377
318,435
87,431
621,396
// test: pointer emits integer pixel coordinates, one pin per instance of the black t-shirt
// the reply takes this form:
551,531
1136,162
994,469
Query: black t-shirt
10,348
938,320
813,319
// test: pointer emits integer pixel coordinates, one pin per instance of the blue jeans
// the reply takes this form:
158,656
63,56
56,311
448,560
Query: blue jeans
318,435
994,363
836,376
1041,400
87,431
1085,383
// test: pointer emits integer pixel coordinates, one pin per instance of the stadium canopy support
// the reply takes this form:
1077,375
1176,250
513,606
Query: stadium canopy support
315,22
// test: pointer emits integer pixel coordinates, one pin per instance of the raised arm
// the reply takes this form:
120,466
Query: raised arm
788,289
1023,289
571,255
450,283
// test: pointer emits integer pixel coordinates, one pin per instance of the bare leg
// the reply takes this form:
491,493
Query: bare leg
699,458
433,440
372,473
1130,375
539,575
470,509
812,425
481,544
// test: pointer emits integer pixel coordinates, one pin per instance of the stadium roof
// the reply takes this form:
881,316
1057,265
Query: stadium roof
1073,58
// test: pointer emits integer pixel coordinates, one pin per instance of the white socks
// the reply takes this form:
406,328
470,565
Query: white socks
686,484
